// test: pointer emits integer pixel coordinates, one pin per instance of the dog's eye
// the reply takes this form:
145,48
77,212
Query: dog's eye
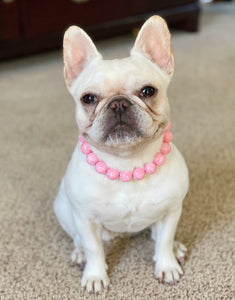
147,91
89,99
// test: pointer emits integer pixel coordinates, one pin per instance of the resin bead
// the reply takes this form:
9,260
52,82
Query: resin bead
125,176
81,139
85,148
92,159
150,168
101,167
112,174
159,159
138,173
166,148
167,138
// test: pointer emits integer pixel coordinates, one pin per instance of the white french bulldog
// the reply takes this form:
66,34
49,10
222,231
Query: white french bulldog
122,176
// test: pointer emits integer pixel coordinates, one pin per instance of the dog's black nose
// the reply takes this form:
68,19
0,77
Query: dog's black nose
119,105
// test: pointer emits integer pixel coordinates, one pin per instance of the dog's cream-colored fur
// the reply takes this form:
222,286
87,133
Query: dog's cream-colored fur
89,206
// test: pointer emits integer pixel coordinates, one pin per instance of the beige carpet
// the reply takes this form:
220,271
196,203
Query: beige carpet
38,134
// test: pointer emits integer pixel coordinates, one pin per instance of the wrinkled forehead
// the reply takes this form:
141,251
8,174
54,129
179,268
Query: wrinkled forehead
117,76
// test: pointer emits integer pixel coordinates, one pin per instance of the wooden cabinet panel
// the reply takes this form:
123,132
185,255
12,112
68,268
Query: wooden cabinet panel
140,6
9,20
45,16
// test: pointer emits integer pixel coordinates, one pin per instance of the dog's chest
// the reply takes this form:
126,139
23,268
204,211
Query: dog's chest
129,210
118,206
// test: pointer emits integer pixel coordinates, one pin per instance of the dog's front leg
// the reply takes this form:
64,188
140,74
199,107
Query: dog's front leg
167,268
95,277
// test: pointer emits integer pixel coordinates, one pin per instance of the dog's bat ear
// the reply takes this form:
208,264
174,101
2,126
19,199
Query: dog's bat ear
79,50
154,42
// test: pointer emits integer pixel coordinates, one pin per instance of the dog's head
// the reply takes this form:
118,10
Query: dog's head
120,103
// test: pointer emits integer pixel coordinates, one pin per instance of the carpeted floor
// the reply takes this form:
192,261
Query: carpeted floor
37,137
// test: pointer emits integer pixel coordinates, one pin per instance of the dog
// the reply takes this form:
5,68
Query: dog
125,174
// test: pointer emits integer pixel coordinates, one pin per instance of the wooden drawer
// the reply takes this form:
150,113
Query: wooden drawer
45,16
9,20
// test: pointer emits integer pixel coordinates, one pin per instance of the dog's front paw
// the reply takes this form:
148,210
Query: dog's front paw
95,284
168,272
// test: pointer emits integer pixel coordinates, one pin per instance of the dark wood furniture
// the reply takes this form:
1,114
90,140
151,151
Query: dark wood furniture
30,26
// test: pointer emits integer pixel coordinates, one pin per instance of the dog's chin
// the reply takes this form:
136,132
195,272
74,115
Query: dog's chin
122,135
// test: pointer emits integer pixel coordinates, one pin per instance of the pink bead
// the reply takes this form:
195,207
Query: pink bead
125,176
167,138
92,159
168,127
85,148
150,168
112,174
166,148
159,159
138,173
101,167
81,139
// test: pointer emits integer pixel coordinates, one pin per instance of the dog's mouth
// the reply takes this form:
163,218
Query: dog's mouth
122,133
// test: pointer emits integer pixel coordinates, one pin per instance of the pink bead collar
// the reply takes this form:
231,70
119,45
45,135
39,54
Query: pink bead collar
139,172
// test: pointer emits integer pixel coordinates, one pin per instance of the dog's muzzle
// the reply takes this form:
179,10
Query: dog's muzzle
121,120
